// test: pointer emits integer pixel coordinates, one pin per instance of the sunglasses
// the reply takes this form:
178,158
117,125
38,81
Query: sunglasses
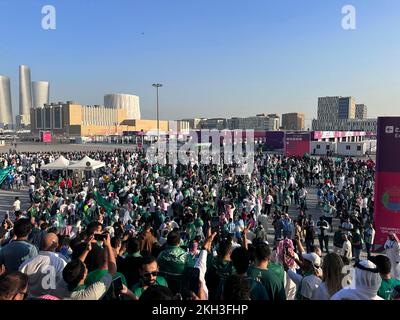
149,274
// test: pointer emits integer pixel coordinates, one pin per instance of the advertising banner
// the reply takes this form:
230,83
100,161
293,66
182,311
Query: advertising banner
387,179
46,136
297,144
274,140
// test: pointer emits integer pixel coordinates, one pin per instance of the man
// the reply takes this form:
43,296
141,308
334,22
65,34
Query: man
147,240
338,241
130,265
392,247
369,237
388,283
367,284
19,250
17,206
75,272
346,248
148,276
357,244
309,281
45,270
241,261
268,203
260,272
322,232
173,260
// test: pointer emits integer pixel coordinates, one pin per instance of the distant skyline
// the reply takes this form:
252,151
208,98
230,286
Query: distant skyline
214,58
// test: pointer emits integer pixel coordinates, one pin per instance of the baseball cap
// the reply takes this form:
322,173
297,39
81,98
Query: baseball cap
313,258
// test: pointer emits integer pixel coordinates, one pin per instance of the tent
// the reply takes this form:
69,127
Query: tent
86,164
60,164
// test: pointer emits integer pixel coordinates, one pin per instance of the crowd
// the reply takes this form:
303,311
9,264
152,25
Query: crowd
135,231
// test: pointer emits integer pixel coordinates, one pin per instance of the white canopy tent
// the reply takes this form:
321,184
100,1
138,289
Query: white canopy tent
60,164
86,164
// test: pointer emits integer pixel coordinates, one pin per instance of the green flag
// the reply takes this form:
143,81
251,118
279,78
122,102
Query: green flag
102,202
4,173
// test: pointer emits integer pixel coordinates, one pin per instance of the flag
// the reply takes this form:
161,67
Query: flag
102,202
4,173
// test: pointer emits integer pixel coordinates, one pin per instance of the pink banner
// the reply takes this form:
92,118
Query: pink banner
387,179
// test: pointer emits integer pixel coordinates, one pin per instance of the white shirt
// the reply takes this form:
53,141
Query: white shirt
308,284
346,249
17,205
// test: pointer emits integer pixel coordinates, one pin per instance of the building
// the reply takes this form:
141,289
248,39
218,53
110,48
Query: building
328,108
341,114
293,121
194,123
71,119
347,108
6,118
25,96
361,111
268,122
40,93
368,125
128,102
214,123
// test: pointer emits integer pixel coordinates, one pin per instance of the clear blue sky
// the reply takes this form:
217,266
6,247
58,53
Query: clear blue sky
214,57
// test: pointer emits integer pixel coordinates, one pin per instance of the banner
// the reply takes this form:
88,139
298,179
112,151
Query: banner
297,144
387,179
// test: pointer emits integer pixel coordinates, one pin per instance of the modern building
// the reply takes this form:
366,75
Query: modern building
40,93
25,96
214,123
71,119
347,108
128,102
6,118
341,114
293,121
361,111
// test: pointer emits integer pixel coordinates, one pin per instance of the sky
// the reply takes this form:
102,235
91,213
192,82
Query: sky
215,58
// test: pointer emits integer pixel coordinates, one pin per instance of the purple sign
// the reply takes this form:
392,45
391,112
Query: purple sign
274,140
388,145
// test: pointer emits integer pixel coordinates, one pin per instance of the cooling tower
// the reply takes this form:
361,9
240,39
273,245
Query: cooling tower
124,101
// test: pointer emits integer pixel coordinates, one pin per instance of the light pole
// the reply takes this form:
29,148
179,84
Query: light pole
158,85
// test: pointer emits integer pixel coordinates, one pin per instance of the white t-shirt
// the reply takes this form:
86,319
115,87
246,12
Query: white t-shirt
17,205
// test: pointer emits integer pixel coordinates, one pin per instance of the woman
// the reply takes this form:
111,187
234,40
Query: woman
332,276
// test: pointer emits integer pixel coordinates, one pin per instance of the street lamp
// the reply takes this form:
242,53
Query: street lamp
158,85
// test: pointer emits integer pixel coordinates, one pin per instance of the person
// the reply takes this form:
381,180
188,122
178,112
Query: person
309,281
17,206
236,288
147,240
367,283
19,250
148,276
338,241
129,266
241,261
369,237
173,260
219,267
75,273
322,232
392,247
45,270
332,276
357,244
388,283
310,234
346,248
13,286
260,272
268,203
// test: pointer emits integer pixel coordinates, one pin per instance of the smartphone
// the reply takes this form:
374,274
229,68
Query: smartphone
117,286
191,282
100,236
